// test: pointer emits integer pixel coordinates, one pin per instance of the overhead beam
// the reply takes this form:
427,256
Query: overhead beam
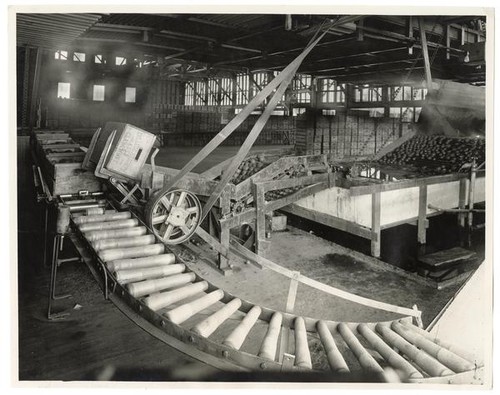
359,66
283,52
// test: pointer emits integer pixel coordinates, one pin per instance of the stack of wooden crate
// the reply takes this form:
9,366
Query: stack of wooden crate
60,158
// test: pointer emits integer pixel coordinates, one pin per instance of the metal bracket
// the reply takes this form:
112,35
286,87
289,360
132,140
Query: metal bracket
58,245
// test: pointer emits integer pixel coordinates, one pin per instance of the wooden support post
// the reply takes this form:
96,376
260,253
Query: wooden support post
425,52
359,30
260,220
409,26
462,197
375,236
422,214
225,235
211,225
448,42
472,184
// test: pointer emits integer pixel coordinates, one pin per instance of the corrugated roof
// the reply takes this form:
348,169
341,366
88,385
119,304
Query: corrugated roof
240,21
53,31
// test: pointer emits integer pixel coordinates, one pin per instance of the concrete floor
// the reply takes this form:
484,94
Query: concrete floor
331,264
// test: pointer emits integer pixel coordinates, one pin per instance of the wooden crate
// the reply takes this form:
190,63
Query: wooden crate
63,171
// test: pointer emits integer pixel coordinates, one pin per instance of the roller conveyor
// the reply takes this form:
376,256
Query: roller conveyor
161,292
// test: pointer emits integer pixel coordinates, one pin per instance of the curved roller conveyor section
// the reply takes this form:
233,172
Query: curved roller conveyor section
157,290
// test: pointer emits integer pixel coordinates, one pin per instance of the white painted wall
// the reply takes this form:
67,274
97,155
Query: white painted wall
397,205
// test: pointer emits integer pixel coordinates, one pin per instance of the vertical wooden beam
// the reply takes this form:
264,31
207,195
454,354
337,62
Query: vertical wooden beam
375,238
425,52
260,219
409,27
359,30
472,185
386,99
234,92
25,116
34,92
314,93
448,41
462,198
225,234
422,214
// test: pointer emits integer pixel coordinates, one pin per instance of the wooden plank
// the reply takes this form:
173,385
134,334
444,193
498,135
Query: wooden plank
445,257
293,182
292,293
425,52
246,216
277,204
369,189
329,220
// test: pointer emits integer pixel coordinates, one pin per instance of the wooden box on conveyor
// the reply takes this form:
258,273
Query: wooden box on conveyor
60,159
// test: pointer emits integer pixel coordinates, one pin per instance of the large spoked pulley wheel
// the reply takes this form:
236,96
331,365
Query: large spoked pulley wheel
173,215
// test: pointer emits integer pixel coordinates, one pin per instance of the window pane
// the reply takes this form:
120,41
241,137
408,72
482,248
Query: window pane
120,61
395,112
98,93
61,55
129,95
397,93
78,57
407,114
63,90
98,59
188,94
418,110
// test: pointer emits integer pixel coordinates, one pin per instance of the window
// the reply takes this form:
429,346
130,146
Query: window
63,90
99,59
297,111
407,93
242,85
259,81
213,94
395,112
61,55
301,85
78,57
226,91
129,95
418,110
331,91
98,94
366,93
200,92
120,61
405,114
188,94
329,112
